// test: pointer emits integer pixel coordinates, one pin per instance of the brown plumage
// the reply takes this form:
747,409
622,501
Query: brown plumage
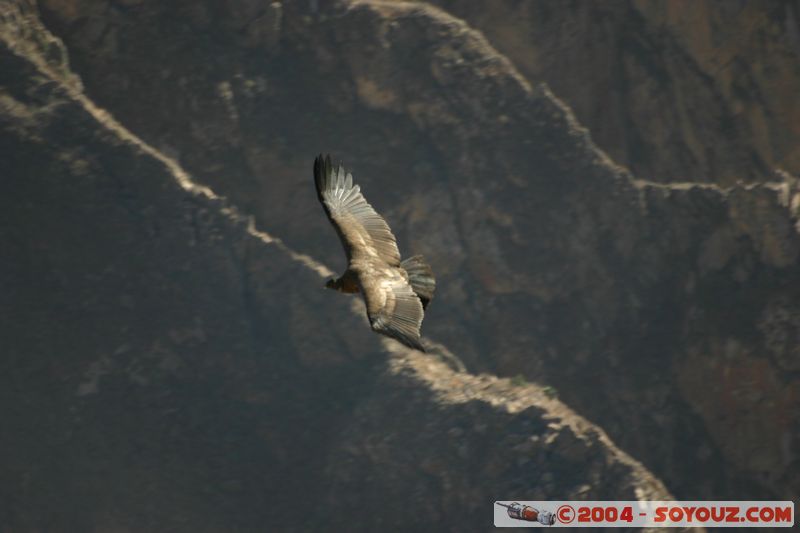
396,292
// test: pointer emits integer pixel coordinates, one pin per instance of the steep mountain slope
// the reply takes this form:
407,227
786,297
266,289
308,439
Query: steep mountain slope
675,90
665,313
159,370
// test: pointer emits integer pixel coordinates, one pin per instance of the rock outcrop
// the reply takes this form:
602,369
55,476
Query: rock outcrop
484,437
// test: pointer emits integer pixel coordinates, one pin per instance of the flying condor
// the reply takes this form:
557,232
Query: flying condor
396,292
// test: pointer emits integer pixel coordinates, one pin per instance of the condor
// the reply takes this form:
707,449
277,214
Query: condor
396,292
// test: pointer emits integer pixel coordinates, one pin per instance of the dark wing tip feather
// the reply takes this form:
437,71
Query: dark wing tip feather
414,343
389,331
322,172
326,178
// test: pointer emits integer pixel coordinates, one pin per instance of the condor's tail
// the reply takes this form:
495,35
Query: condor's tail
420,276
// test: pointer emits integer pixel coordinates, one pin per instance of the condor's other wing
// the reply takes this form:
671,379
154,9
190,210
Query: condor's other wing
363,232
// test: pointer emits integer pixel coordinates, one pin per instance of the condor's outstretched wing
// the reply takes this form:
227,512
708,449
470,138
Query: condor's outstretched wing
392,306
363,232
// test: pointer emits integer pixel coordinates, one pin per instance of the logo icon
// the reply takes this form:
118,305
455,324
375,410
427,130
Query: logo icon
565,514
518,511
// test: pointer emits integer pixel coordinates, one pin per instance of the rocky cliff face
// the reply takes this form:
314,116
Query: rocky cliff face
159,373
663,312
674,90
